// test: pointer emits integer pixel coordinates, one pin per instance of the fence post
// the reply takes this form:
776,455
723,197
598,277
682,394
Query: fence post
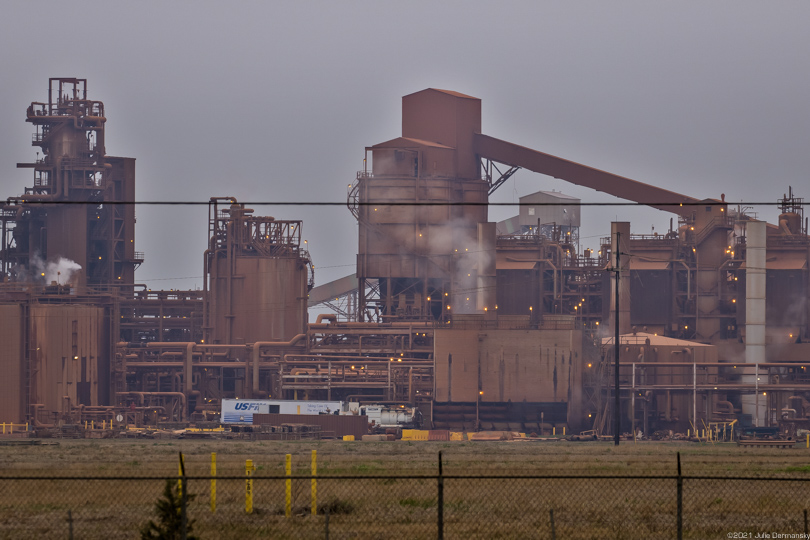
551,519
680,500
213,482
288,490
183,500
440,502
314,483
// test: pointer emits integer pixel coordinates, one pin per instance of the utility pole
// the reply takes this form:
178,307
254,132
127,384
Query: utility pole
617,404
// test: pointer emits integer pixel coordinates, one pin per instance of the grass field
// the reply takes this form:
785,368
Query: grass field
588,507
159,457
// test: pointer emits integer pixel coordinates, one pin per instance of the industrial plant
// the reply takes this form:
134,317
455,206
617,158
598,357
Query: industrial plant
477,324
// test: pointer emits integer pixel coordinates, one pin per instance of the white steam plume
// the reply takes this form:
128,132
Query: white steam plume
60,270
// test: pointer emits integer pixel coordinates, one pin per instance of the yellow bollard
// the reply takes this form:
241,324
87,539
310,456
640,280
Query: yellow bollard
808,440
249,486
179,475
564,426
314,482
288,487
85,424
213,482
92,424
554,428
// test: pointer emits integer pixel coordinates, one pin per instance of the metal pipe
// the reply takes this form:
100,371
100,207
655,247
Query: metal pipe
697,295
694,395
391,324
180,364
743,366
189,346
688,277
206,325
142,395
616,344
34,417
749,387
256,347
230,257
633,403
355,360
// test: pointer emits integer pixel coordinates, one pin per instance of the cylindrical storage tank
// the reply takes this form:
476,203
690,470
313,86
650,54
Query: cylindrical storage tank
268,299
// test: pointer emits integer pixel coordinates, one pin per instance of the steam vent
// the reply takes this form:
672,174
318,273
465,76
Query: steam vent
479,325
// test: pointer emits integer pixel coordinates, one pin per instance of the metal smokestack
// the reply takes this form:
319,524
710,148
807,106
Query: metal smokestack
755,314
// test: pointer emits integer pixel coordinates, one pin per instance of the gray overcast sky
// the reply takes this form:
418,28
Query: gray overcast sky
276,101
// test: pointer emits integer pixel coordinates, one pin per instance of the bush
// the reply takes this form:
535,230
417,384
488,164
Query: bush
170,519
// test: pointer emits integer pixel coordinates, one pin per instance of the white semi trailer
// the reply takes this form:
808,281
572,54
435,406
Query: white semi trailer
241,411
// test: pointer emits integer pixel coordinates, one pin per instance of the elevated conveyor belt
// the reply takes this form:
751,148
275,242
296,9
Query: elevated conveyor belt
581,175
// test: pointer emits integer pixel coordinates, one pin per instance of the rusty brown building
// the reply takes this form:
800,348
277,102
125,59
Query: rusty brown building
481,325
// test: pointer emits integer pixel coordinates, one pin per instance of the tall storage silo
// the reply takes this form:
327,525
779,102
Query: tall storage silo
257,277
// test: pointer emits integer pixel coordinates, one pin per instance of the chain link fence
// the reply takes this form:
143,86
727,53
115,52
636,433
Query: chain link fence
411,506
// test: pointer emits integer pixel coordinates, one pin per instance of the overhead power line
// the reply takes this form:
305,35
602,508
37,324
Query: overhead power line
18,200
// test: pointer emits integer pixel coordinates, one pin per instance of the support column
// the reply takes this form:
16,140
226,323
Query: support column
623,228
